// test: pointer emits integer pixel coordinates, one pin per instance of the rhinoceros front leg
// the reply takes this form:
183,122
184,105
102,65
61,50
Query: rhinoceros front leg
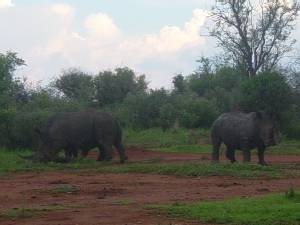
102,153
246,154
105,152
68,154
121,151
261,156
246,150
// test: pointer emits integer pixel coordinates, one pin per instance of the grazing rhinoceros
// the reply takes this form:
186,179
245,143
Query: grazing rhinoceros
243,131
84,130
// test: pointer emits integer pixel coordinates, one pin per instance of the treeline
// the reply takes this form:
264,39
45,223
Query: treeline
195,100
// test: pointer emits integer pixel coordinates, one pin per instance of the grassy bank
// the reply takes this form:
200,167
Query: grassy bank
191,141
11,162
276,209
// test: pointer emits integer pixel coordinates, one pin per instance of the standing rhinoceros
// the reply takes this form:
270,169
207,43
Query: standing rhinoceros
84,130
243,131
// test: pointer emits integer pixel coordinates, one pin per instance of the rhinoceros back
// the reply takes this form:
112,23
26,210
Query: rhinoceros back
234,128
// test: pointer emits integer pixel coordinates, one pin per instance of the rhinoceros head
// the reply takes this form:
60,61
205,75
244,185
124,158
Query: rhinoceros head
46,150
268,129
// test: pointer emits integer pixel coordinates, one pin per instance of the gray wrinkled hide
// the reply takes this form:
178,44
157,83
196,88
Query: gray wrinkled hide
74,131
243,131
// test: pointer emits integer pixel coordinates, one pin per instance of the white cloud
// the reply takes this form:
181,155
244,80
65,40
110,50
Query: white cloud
101,26
53,44
62,9
173,38
6,3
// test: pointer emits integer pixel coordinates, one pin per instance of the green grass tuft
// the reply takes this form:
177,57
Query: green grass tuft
18,213
11,161
155,137
123,202
268,210
205,148
198,169
288,147
64,189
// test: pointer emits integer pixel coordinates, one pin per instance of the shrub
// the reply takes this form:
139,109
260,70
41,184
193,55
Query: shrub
195,112
266,91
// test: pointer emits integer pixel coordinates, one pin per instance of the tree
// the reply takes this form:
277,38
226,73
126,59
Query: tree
8,64
255,35
179,84
113,86
142,110
75,85
269,92
206,66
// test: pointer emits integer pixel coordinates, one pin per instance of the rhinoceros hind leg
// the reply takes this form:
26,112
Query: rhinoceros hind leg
121,151
230,154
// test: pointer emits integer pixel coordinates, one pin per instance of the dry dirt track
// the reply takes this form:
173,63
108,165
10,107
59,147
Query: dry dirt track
119,199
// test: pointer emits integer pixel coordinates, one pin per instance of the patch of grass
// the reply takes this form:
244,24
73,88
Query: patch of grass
155,137
198,169
268,210
64,189
123,202
287,147
18,213
12,161
205,148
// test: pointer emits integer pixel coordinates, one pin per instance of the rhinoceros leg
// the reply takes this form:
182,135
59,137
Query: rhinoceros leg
246,155
68,154
261,156
106,151
230,154
121,151
102,153
75,153
246,150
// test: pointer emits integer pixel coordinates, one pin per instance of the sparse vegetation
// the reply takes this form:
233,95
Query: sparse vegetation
157,138
250,171
123,202
20,213
64,189
268,210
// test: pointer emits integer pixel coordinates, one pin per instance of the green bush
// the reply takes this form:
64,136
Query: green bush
168,115
195,112
293,130
143,110
266,91
22,134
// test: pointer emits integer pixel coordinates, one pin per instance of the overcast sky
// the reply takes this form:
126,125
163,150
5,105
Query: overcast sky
159,38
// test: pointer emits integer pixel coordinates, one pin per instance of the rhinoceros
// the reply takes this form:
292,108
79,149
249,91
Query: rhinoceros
243,131
84,130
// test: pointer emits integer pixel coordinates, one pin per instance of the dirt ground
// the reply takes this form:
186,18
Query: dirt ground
119,199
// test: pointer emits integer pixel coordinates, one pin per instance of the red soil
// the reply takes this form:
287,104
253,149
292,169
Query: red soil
119,199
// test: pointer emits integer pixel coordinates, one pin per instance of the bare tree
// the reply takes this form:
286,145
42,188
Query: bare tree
256,35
